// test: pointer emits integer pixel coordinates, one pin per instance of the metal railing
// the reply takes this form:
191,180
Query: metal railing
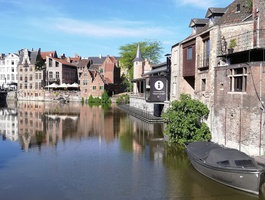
244,41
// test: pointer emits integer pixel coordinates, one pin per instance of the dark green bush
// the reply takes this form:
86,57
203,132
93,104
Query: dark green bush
185,121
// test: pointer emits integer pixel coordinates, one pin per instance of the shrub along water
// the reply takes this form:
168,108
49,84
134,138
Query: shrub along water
98,101
185,121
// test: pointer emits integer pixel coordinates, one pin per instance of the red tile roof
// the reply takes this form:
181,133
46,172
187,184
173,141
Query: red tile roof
48,53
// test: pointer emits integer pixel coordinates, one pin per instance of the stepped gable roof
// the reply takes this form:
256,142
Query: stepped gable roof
237,11
138,56
34,56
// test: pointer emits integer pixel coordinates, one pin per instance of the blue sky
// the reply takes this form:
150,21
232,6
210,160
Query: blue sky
94,27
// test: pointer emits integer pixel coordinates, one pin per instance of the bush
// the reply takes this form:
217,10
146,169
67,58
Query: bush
99,101
185,121
123,99
105,98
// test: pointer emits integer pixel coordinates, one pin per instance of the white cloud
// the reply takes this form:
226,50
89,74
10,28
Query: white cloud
205,4
108,28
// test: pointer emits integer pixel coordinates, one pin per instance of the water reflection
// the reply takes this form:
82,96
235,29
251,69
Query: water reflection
34,124
77,151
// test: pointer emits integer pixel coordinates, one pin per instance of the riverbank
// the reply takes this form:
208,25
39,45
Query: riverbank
140,114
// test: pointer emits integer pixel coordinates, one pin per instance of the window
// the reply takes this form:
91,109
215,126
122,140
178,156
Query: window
50,75
94,87
57,75
50,62
224,163
244,163
203,84
101,70
206,52
56,64
238,79
238,8
211,20
189,55
85,82
101,87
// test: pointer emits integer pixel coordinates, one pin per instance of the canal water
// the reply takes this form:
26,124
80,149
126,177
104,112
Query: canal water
77,152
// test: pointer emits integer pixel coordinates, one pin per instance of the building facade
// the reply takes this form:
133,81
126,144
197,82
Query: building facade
8,71
99,74
31,79
228,81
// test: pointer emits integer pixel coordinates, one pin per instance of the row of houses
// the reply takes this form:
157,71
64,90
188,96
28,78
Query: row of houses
33,72
222,64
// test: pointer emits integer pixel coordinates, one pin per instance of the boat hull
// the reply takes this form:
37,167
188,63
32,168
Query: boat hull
245,180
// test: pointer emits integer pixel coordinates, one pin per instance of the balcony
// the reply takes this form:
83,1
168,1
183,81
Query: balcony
243,42
53,80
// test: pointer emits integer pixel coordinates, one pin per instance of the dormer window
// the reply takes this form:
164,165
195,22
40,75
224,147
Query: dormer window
238,8
211,21
194,30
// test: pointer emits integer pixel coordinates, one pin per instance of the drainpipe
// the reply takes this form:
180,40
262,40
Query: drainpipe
262,127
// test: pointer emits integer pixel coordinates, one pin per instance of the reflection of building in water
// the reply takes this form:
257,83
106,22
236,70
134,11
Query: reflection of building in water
60,126
30,123
9,124
42,123
95,121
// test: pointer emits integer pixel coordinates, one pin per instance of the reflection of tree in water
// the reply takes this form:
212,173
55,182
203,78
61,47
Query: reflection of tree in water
40,138
69,128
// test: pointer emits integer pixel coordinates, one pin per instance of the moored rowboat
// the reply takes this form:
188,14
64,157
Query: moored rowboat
227,166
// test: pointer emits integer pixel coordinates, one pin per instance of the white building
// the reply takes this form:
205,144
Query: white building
8,70
9,124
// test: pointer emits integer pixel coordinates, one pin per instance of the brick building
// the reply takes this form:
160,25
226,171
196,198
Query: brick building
229,83
99,74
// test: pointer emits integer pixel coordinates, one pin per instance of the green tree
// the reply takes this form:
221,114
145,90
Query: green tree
150,50
185,121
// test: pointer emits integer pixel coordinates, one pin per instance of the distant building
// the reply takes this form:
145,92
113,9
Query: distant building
31,79
9,124
145,77
8,71
99,74
60,70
